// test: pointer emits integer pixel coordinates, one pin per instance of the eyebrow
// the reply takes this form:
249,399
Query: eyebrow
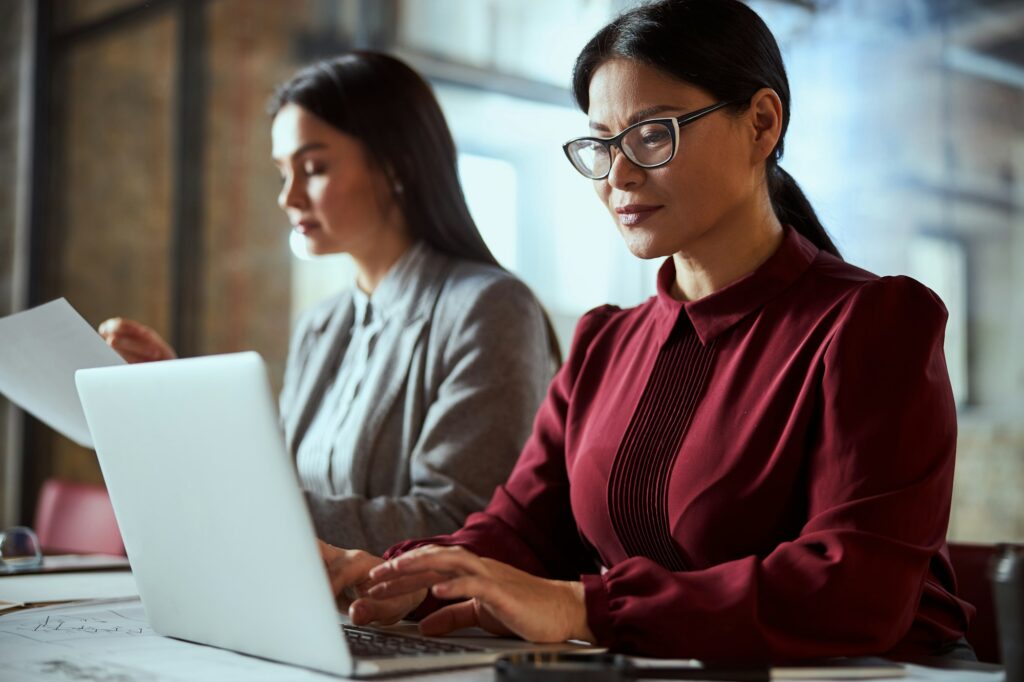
638,116
308,147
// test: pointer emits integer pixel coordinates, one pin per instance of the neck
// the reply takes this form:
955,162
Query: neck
373,267
726,253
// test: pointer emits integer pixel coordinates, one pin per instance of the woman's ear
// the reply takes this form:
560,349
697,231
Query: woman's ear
766,122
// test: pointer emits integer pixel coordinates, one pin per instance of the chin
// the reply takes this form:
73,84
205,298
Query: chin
318,248
645,248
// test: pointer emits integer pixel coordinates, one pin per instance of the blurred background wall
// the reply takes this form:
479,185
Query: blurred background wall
137,178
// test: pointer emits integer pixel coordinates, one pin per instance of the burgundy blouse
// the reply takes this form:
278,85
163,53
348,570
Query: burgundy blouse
764,473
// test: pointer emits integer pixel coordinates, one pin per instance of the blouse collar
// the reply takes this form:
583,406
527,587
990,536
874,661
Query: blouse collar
719,311
396,292
361,301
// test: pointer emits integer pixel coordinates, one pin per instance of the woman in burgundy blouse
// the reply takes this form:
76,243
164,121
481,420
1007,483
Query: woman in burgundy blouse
755,463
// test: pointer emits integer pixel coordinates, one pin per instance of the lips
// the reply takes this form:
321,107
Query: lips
305,226
634,214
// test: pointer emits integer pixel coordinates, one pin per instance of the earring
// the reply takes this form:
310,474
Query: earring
398,187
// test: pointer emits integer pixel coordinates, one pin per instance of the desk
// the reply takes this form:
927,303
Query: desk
111,640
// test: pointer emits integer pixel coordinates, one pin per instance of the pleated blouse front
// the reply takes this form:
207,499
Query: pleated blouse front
764,473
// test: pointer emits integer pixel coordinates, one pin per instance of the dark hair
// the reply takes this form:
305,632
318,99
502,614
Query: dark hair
392,111
723,47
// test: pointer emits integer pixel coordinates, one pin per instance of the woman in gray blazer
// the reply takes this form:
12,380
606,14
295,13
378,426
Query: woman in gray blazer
407,398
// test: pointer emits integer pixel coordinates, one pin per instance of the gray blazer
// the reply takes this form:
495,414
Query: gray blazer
470,369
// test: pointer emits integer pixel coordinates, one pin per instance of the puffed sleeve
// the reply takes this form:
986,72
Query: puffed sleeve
529,523
879,481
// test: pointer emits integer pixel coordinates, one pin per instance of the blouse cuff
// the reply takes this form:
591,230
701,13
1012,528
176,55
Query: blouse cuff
595,597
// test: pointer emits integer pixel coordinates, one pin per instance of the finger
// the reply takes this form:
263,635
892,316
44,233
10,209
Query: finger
449,619
345,574
122,327
134,346
362,611
334,562
366,610
387,568
467,587
357,589
157,340
348,594
348,570
343,569
405,584
432,558
343,603
108,326
492,606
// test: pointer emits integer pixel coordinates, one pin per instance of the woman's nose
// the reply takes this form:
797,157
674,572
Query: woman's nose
291,195
624,174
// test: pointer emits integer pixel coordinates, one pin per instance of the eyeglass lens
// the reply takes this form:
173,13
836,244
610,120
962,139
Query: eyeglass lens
590,158
646,145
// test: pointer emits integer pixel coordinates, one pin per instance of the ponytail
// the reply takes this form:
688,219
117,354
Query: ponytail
793,208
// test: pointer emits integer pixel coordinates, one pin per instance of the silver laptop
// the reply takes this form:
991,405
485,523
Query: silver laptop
216,527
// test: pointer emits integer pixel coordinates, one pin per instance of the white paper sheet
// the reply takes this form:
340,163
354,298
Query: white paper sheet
56,563
46,587
82,562
40,350
113,642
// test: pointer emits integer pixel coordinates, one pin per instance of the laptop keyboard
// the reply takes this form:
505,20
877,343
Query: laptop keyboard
366,643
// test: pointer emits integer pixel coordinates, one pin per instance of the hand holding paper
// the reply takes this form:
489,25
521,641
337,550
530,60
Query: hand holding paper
42,349
134,341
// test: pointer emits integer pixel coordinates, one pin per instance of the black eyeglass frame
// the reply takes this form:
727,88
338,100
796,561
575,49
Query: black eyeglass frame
672,123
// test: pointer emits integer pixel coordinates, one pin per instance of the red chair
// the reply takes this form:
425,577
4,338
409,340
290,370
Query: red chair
971,565
76,518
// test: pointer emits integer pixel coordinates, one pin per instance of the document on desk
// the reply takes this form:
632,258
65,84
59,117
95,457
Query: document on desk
49,587
113,641
42,349
66,563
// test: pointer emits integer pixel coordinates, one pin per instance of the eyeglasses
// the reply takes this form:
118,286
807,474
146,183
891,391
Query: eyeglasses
648,144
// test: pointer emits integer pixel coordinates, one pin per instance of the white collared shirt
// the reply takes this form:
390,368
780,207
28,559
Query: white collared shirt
328,445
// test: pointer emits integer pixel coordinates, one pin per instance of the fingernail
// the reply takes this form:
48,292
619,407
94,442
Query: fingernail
439,589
